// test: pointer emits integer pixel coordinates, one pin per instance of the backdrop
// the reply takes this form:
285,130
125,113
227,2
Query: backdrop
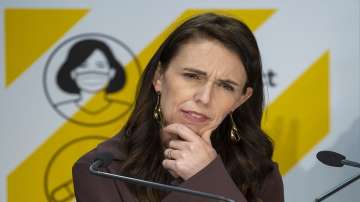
311,55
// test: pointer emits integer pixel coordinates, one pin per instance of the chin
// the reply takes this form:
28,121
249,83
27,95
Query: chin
197,129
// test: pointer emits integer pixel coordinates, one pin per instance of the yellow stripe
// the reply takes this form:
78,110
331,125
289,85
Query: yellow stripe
31,32
299,118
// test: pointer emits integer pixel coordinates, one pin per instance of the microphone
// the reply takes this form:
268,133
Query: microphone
334,159
331,158
104,159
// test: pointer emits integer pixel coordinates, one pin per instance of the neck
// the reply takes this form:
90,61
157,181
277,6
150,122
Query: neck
92,102
84,97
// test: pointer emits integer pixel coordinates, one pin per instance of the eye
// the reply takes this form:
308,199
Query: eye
227,87
191,76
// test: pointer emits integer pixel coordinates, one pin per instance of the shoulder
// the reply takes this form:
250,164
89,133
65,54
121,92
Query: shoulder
92,188
273,187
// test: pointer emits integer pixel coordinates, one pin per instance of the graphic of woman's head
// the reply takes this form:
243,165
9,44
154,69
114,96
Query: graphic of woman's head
91,67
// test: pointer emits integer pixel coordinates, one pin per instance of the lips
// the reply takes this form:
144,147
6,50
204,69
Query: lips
194,117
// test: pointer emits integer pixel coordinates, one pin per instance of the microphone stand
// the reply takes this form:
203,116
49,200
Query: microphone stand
350,163
94,170
338,188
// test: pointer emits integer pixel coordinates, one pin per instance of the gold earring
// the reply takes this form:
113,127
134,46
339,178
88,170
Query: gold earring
234,133
157,111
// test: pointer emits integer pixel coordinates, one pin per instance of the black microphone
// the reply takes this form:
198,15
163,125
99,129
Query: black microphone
105,158
331,158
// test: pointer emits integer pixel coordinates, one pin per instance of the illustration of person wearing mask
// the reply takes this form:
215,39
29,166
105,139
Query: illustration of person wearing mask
91,72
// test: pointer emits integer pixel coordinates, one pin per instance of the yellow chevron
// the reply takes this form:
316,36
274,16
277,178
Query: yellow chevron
299,118
31,32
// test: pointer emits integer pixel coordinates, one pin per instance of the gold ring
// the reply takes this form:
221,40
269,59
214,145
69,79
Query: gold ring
169,154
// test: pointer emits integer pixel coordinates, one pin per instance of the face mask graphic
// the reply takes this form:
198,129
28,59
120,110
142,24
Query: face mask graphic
94,74
93,81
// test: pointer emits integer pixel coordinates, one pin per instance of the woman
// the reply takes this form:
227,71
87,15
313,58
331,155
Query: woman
196,122
91,69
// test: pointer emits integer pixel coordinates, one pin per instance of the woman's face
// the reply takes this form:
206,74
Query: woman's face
94,74
203,83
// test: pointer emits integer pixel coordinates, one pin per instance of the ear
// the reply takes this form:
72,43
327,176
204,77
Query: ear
244,97
157,80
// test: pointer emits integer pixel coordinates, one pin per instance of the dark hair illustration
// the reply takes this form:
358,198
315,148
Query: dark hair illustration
78,53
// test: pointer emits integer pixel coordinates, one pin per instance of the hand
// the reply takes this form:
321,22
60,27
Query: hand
189,154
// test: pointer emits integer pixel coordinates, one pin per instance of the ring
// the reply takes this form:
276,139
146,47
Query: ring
169,154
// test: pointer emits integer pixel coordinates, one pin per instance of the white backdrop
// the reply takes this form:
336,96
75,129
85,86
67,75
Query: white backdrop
291,39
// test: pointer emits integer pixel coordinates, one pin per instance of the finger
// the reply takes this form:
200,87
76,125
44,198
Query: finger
173,173
167,137
182,131
172,154
169,164
177,144
167,153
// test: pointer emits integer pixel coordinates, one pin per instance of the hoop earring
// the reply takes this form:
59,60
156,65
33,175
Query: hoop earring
157,111
234,132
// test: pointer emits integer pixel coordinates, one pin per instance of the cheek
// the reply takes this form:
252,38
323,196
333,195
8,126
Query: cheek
221,117
218,120
166,110
174,98
169,103
222,110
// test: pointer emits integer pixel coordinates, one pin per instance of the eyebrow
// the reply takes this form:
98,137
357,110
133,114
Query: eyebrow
195,71
205,74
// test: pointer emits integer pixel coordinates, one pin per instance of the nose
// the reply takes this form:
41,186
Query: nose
203,94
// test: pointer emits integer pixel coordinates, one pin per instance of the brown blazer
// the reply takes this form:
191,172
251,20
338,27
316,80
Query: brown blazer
212,179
